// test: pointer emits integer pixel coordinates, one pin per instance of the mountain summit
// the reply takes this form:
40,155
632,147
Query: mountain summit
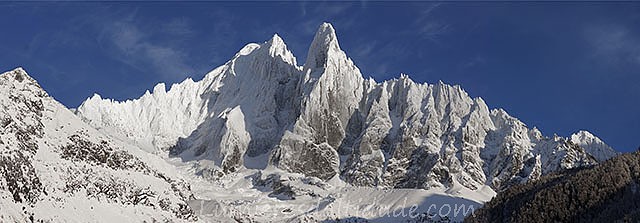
593,145
324,120
324,43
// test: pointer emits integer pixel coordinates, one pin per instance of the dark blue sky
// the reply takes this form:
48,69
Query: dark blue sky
559,66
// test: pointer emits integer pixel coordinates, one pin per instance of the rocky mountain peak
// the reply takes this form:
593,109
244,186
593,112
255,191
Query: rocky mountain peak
18,74
277,48
23,90
324,45
593,145
584,135
18,78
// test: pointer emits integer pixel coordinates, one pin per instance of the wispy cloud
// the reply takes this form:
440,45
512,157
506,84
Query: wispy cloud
133,45
303,8
224,32
433,30
614,44
178,27
430,28
153,47
319,12
364,50
474,62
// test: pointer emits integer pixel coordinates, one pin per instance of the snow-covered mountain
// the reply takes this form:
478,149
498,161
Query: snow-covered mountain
56,168
53,166
593,145
323,119
262,138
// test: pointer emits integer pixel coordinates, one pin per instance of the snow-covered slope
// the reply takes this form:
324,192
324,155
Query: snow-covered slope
56,168
324,120
274,196
593,145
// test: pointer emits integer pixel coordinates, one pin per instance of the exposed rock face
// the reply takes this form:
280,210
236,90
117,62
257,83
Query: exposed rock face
332,88
52,165
323,119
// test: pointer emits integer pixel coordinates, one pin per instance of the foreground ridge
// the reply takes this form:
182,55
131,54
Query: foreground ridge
53,166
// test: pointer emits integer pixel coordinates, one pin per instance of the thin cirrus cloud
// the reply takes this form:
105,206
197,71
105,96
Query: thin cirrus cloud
128,42
312,15
430,28
135,49
614,44
180,27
